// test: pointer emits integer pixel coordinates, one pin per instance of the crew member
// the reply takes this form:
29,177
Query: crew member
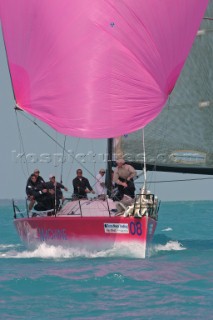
81,186
123,177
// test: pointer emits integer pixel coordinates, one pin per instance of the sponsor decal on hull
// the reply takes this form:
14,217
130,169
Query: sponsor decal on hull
116,228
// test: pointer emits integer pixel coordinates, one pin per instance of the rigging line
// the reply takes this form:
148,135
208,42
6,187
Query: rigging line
62,163
34,122
56,138
58,144
75,151
94,162
93,150
11,79
178,180
56,152
22,143
165,129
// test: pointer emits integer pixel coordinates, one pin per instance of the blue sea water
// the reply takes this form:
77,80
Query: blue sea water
174,282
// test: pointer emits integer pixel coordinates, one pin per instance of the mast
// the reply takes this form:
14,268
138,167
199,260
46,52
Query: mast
109,166
144,161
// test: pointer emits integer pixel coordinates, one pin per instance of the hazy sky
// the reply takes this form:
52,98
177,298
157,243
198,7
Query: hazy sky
44,154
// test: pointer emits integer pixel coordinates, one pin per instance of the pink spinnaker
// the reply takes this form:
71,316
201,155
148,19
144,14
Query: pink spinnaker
99,68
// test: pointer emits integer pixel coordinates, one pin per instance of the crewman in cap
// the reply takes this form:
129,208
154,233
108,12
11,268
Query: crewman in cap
123,177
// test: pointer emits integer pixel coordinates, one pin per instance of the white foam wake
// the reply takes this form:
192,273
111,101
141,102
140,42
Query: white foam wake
45,251
167,229
169,246
7,246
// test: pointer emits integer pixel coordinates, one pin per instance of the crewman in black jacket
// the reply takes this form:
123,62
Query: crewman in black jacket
38,192
81,186
56,187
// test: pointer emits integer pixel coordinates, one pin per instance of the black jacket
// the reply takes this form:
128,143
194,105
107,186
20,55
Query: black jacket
33,189
59,186
38,185
80,185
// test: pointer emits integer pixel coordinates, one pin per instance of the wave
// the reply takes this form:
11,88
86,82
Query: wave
169,246
6,246
167,229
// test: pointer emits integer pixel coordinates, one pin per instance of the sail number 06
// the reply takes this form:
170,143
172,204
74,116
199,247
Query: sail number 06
135,228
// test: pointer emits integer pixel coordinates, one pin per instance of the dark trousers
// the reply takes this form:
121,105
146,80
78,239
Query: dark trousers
129,190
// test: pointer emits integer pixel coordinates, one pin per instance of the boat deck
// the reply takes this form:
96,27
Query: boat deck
88,208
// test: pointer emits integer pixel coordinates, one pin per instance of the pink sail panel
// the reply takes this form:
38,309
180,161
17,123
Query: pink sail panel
97,68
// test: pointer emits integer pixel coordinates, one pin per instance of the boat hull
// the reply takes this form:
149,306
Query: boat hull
89,232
